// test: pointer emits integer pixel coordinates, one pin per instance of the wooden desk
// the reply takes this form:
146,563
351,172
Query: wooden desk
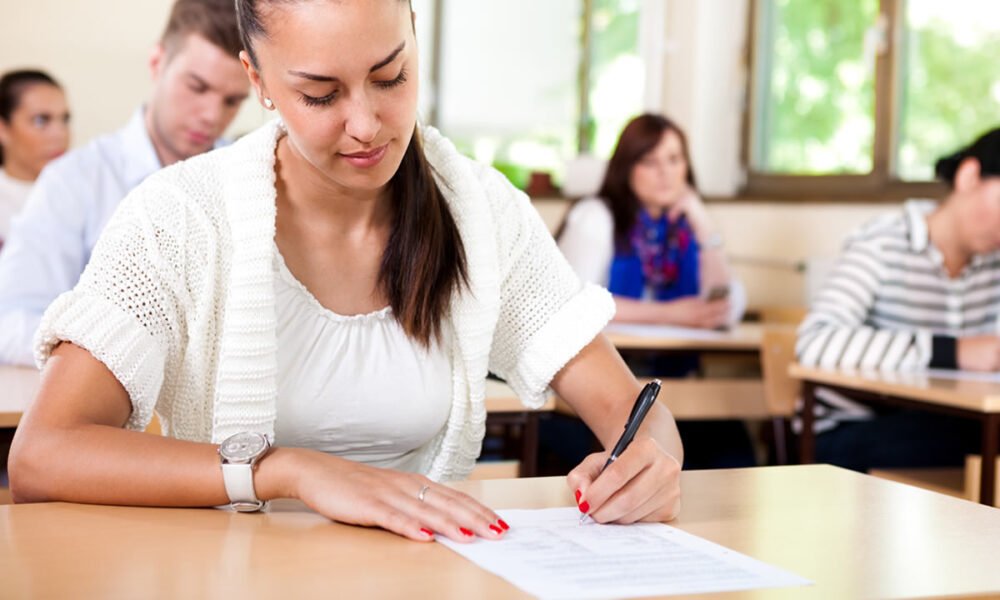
745,337
978,400
854,535
504,408
701,398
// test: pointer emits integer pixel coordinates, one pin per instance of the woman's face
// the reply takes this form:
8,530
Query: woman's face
659,179
343,76
38,130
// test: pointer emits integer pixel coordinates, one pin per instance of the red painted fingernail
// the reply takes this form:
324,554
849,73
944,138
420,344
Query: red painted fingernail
585,507
465,532
427,532
502,524
578,494
496,529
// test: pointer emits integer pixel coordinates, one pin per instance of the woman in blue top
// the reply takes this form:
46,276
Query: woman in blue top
648,238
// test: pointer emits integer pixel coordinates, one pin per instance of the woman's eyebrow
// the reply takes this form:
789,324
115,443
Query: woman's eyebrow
326,78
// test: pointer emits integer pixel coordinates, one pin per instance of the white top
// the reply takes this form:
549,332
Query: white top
179,301
356,386
588,243
13,193
51,240
588,240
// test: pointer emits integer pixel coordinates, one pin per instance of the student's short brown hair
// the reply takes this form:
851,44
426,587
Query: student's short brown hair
214,20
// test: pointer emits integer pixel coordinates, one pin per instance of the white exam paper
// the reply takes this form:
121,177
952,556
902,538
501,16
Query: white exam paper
549,554
988,377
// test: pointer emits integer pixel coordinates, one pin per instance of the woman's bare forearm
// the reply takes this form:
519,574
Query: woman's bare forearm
71,446
604,401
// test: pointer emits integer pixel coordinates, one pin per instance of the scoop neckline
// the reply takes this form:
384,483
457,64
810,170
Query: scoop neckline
289,277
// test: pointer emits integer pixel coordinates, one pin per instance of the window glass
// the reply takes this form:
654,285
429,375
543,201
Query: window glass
815,87
950,80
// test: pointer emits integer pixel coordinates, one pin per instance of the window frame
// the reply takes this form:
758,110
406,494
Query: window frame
584,71
881,184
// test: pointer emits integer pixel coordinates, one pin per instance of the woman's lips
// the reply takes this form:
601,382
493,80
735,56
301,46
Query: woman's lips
366,160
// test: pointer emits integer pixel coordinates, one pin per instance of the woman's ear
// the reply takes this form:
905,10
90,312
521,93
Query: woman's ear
967,176
254,76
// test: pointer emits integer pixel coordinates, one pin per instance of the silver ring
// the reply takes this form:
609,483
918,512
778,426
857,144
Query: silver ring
423,492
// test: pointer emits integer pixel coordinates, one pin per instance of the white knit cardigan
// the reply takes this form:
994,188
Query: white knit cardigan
178,300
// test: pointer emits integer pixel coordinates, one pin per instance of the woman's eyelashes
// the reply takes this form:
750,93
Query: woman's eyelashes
322,101
329,98
397,81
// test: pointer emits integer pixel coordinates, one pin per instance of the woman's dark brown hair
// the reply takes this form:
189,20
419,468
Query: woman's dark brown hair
424,261
639,137
13,85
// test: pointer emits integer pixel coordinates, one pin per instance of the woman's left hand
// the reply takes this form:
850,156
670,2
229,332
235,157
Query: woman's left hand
642,485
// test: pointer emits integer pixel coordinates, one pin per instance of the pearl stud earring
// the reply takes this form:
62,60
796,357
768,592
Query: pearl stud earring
268,104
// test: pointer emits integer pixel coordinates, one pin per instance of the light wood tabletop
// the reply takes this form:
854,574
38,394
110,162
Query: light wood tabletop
973,398
745,337
976,395
853,535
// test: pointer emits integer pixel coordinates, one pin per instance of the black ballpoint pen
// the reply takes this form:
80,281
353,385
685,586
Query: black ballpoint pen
645,401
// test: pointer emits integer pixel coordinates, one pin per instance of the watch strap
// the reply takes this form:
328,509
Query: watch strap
239,487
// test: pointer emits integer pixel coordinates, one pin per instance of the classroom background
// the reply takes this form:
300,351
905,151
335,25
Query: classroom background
808,145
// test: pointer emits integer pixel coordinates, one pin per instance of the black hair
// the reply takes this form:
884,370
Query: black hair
986,151
13,85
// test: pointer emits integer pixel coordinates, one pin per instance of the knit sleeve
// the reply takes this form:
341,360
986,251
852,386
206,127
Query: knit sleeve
547,315
124,310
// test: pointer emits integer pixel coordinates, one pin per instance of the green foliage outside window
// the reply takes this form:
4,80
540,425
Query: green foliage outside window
951,81
816,94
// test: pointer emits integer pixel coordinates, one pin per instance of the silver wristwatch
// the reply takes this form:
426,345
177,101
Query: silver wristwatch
240,453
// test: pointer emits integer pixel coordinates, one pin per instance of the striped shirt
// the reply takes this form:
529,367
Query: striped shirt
889,304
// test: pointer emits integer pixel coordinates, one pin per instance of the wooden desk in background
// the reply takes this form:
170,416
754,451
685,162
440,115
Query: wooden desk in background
853,535
707,397
979,400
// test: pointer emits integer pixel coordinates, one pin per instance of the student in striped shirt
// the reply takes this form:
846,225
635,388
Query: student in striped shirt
916,289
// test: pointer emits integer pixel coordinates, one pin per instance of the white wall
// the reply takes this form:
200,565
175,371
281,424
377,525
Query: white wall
703,85
98,51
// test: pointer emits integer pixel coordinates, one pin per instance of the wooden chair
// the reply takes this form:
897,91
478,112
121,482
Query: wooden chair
781,392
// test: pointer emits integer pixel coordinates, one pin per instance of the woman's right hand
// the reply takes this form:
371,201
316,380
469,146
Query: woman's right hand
693,311
359,494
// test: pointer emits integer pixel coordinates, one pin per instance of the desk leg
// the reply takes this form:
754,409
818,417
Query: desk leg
807,438
529,446
988,474
778,424
6,437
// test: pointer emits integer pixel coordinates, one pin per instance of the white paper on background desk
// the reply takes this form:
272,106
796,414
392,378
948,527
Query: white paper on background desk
666,331
963,375
549,554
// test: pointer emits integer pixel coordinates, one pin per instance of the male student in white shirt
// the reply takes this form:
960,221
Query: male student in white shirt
198,87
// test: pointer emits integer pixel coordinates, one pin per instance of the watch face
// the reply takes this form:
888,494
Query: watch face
242,447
